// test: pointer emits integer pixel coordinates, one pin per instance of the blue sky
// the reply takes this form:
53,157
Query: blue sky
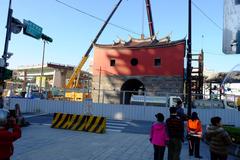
72,32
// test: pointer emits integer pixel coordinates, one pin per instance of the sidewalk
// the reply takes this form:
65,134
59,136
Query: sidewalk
40,142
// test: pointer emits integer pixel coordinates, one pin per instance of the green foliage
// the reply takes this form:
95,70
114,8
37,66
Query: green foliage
234,132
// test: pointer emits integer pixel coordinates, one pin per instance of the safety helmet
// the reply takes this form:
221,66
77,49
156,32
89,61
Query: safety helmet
3,116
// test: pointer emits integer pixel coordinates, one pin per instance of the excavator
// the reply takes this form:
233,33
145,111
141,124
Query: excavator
74,89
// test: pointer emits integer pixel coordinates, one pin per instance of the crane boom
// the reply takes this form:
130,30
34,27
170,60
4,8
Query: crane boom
70,83
150,20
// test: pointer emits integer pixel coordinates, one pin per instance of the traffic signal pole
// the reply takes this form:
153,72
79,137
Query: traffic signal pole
5,52
189,59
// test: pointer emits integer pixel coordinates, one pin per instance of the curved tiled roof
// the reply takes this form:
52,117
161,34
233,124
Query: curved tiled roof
151,42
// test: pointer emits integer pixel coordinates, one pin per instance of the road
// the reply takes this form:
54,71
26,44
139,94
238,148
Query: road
131,126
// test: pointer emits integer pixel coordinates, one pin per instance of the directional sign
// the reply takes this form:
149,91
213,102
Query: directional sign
231,32
31,29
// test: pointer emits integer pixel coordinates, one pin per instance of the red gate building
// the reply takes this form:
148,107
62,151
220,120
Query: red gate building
125,68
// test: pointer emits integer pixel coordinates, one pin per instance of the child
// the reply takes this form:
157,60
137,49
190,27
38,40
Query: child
159,137
218,139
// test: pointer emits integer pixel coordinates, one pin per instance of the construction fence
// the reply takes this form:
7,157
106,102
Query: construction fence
115,111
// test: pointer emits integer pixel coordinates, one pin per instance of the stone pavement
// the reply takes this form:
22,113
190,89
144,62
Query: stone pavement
40,142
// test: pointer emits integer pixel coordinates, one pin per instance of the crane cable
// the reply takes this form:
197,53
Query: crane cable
97,18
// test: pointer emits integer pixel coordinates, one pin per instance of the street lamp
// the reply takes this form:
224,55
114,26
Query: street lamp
45,39
40,87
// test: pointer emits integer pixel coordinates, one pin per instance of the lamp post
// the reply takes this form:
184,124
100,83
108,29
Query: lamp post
40,86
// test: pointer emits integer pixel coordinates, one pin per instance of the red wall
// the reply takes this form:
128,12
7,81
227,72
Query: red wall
172,61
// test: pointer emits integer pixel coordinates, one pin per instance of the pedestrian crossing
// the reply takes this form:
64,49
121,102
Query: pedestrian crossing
111,124
116,125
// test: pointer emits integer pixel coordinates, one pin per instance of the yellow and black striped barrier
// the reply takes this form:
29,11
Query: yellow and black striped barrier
94,124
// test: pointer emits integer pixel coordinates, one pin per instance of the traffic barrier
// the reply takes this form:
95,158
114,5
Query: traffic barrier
60,120
79,122
96,124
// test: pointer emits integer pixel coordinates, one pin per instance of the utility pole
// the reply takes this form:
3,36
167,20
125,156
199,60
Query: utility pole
5,53
189,59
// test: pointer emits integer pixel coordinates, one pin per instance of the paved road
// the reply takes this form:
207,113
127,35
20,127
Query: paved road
123,140
40,142
140,127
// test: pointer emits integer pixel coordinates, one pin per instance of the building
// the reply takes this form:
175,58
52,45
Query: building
138,65
53,74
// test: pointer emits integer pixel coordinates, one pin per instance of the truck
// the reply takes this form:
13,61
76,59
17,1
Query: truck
161,101
229,101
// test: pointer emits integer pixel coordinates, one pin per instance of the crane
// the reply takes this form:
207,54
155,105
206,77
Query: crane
74,79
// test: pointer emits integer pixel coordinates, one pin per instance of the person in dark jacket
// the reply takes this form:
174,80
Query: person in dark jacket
218,139
194,132
175,128
180,111
6,137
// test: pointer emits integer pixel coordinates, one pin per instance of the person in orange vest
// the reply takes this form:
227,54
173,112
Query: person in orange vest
194,135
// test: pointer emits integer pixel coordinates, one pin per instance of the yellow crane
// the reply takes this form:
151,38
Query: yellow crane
74,92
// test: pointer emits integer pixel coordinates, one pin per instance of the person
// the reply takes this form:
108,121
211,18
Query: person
194,134
20,120
175,128
6,137
218,139
180,111
159,137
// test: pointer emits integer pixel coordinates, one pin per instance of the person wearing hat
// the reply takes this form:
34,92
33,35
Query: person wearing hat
6,137
194,132
159,137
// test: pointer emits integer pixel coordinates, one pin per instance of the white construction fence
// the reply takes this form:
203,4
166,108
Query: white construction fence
116,111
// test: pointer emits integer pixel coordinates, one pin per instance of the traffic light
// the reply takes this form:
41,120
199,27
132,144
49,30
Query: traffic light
5,73
45,37
31,29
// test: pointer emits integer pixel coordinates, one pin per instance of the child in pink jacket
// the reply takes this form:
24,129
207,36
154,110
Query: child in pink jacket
159,137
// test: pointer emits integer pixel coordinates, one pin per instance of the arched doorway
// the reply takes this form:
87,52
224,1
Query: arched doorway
131,86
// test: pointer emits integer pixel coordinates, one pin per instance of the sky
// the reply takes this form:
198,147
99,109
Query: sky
73,32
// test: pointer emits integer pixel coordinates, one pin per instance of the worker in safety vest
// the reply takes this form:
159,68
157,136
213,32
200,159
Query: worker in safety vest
194,135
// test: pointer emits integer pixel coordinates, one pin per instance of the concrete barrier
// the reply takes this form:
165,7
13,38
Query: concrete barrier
76,122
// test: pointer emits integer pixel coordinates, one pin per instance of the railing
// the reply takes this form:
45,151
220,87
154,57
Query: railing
117,111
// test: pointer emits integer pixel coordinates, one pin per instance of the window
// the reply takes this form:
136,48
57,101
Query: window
112,62
157,62
134,61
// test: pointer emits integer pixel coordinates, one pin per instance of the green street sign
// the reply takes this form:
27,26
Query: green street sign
31,29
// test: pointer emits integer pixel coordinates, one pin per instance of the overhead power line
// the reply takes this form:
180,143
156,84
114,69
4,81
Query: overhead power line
210,19
97,18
